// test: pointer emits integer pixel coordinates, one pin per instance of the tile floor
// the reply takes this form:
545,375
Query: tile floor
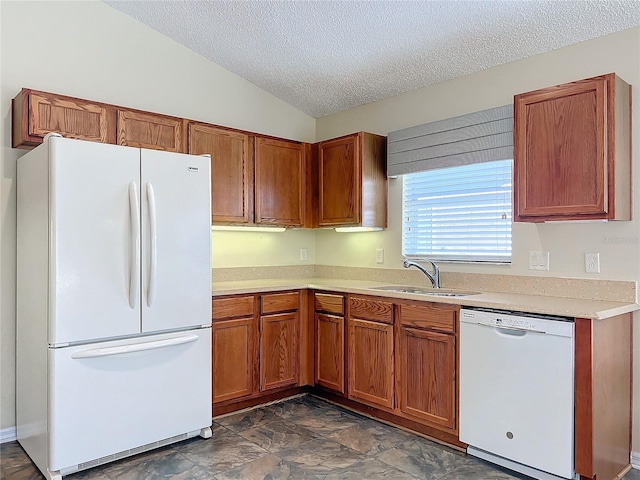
301,438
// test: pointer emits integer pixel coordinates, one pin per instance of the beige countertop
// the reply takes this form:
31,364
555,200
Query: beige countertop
567,307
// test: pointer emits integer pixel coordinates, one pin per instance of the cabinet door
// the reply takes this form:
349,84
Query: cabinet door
148,130
70,117
428,377
280,182
233,358
560,166
339,182
371,362
231,171
278,350
329,361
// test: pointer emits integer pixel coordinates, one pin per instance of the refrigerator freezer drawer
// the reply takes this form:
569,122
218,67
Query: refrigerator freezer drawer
114,396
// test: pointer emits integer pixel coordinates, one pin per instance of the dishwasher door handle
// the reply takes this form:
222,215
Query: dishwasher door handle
508,330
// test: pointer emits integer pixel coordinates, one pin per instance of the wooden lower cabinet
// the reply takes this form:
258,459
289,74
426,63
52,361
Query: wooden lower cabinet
370,364
256,348
279,359
233,358
329,352
428,376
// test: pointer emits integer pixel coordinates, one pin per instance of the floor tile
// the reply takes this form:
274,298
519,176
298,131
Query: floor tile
423,459
476,469
246,420
155,465
371,437
632,475
13,455
304,438
369,469
269,467
23,472
223,451
322,456
276,436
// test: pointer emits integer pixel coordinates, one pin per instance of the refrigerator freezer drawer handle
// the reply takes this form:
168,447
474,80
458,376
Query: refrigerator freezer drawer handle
135,245
137,347
153,251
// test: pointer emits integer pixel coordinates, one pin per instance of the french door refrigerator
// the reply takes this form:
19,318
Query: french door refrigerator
113,302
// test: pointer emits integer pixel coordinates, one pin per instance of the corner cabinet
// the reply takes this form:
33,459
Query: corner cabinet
257,344
352,181
572,151
281,178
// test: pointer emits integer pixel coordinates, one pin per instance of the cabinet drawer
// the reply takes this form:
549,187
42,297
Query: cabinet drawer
232,307
430,315
369,309
280,302
325,302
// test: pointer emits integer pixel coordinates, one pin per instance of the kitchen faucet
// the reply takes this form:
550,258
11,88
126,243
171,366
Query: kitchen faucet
434,277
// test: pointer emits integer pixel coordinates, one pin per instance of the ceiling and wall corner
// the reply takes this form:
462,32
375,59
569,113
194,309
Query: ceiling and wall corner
327,56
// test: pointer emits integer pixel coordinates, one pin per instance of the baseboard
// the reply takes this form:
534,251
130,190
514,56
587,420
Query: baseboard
8,434
635,460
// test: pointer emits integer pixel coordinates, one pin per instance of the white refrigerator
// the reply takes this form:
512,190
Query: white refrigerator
113,302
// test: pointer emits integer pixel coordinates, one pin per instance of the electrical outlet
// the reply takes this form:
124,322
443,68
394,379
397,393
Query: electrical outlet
592,262
303,254
379,255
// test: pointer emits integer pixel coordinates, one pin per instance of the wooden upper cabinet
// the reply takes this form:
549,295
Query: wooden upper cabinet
37,113
352,181
572,151
150,130
280,185
231,171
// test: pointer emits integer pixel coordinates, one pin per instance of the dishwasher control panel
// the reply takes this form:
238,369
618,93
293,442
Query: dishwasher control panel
552,325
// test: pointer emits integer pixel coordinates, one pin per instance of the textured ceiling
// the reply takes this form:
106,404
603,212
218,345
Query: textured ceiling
327,56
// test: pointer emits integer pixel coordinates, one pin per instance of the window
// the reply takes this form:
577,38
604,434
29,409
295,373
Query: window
459,214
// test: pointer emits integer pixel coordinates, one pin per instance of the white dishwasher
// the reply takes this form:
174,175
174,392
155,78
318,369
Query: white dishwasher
516,391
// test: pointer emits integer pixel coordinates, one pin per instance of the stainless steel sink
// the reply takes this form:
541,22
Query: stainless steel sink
434,292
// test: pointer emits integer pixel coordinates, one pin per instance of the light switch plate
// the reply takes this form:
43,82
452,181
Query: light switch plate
538,260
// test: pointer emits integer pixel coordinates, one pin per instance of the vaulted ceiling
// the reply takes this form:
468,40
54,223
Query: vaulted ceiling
327,56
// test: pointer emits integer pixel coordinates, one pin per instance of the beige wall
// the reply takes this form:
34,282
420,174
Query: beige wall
89,50
617,242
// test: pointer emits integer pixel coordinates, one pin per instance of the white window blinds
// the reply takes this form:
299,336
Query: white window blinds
456,187
459,214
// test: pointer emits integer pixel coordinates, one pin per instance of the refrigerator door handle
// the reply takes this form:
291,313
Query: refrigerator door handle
153,238
136,347
135,244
